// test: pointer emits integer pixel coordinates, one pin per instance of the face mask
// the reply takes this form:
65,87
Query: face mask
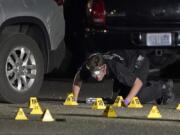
96,73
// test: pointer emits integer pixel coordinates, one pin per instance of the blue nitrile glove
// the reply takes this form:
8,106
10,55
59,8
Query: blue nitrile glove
125,103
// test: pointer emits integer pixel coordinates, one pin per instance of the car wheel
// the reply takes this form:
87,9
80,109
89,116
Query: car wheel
21,68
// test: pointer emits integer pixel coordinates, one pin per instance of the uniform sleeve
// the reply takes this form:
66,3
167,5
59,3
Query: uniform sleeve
142,72
123,74
84,73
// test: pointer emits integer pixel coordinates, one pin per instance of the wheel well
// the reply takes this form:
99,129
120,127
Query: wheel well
33,30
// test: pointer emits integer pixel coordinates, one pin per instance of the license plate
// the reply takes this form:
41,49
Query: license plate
159,39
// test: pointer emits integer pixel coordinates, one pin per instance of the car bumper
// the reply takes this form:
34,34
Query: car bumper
128,37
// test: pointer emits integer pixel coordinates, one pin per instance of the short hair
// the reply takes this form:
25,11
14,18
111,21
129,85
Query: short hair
94,61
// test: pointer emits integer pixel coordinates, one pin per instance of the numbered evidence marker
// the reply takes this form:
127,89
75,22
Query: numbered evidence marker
32,102
21,115
47,117
110,112
135,103
70,100
98,104
178,107
118,102
36,110
154,113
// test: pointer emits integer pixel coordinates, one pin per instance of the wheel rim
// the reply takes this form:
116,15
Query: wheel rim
21,69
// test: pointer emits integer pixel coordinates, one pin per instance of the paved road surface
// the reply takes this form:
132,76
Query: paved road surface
82,119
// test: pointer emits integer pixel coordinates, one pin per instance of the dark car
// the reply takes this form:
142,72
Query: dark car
152,25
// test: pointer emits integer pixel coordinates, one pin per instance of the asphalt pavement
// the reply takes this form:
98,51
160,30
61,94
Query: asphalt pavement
82,119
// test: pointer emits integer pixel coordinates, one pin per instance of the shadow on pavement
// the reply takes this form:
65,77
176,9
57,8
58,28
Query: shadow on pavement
122,117
56,100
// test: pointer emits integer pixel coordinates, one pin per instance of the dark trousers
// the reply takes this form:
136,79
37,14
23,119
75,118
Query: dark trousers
150,91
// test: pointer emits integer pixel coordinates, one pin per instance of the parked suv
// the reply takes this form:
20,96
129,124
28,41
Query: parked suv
152,25
31,44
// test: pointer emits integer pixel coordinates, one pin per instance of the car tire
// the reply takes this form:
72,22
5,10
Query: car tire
21,68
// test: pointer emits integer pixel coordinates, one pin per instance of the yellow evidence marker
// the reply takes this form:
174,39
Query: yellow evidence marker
47,117
110,112
154,113
70,100
118,102
98,104
32,102
36,110
21,115
178,107
135,103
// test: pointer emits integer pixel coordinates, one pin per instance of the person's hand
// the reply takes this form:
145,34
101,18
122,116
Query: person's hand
74,99
125,103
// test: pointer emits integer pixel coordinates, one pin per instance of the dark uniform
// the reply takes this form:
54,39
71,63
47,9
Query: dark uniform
124,67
